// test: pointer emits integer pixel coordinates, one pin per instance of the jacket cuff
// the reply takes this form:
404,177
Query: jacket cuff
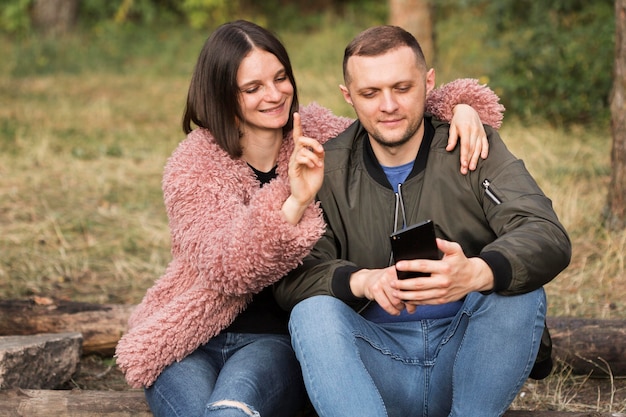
341,283
441,101
501,268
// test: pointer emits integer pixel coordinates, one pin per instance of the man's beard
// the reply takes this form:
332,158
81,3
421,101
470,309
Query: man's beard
408,134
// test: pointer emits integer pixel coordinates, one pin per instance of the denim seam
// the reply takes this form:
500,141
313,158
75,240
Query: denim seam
356,336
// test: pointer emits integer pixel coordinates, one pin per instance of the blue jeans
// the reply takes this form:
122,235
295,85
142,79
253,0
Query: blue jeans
472,364
258,370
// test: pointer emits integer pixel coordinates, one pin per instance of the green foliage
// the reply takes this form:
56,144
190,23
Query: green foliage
14,16
560,57
113,48
203,13
545,59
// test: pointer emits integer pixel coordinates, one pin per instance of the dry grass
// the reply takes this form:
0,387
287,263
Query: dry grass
82,216
80,170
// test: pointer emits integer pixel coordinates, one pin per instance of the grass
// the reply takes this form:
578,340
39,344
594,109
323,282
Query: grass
86,125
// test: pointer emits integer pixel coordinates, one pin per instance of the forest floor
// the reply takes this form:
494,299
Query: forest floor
573,393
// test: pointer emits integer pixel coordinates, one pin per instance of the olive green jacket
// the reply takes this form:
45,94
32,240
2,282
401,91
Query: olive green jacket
515,230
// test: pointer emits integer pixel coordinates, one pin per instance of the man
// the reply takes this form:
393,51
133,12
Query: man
462,341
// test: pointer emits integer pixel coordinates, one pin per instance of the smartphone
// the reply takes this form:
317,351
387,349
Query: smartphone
414,242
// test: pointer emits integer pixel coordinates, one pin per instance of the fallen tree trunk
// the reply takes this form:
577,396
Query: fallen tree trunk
101,325
589,346
74,403
78,403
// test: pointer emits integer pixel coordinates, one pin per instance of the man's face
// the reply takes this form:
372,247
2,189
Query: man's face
388,93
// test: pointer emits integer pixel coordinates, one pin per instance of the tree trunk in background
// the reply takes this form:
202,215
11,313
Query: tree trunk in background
54,16
615,216
416,17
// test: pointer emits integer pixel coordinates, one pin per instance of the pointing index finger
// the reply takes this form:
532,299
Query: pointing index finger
297,126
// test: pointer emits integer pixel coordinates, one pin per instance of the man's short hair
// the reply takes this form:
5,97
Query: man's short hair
379,40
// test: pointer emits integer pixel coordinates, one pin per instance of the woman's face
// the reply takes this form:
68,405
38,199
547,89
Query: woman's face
265,92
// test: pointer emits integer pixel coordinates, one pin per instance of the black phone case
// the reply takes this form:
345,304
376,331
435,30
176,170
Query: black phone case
414,242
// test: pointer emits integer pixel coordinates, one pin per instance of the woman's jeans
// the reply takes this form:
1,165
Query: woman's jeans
257,370
473,364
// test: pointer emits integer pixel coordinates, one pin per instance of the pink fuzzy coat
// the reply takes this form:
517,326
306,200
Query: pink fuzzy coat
230,239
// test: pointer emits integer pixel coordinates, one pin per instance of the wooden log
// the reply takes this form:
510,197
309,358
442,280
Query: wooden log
39,361
589,346
74,403
594,347
101,325
77,403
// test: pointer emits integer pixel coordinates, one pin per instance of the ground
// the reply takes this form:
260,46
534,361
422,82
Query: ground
569,393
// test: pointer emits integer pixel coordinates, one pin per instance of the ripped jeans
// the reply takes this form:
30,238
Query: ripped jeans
258,371
472,364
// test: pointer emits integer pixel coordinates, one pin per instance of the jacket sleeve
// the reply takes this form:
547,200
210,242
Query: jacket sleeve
229,229
441,101
321,273
530,237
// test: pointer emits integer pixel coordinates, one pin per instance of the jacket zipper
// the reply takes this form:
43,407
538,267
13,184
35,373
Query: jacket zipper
489,192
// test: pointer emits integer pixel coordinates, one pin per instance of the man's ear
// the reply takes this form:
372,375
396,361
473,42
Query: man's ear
346,94
430,80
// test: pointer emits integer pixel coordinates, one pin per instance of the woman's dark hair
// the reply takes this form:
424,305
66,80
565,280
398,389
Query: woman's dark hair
213,97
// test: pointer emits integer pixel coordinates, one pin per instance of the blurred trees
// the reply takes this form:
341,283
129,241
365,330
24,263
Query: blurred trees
54,16
416,17
555,57
560,55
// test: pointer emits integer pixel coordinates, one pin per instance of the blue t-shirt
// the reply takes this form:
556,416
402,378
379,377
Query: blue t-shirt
397,175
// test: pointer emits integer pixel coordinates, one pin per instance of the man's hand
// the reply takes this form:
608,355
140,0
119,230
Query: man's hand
466,124
451,278
375,285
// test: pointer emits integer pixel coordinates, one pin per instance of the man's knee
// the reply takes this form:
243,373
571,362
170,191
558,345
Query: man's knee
320,311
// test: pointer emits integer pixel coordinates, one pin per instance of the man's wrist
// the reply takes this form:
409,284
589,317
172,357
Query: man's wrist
341,283
500,268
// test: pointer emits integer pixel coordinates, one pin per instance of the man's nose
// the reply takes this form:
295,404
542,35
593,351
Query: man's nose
389,104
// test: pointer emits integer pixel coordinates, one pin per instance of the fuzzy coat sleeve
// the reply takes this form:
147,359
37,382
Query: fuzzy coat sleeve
229,228
229,241
320,123
441,101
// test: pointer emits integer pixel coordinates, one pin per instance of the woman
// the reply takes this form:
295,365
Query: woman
208,338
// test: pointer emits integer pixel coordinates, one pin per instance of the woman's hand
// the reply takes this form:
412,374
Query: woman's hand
306,173
466,124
